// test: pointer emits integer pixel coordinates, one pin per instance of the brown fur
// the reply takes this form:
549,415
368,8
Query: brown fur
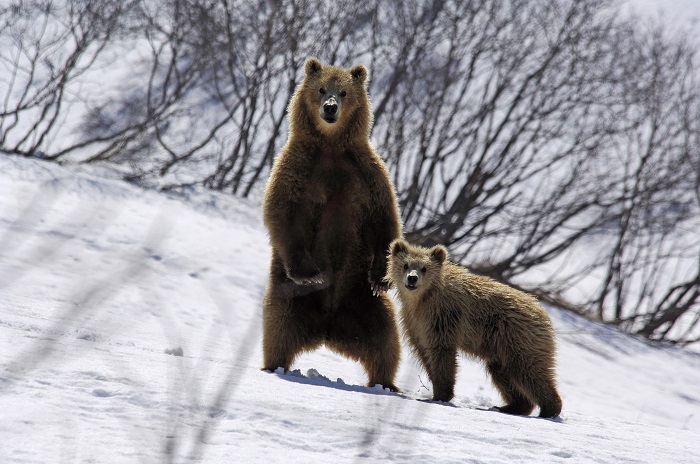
451,309
331,212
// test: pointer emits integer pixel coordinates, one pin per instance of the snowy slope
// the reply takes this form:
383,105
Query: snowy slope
98,279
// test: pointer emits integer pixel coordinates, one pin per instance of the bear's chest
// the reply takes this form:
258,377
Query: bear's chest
337,184
340,203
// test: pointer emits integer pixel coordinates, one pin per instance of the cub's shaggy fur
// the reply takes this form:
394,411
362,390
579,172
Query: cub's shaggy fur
331,212
446,309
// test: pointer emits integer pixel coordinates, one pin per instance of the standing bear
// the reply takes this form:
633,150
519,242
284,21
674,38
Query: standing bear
446,309
331,213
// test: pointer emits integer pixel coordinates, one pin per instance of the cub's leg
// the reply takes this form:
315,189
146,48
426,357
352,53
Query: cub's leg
549,400
441,366
421,353
538,384
516,401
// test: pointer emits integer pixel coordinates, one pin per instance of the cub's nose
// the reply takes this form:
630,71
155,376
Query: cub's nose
412,279
330,109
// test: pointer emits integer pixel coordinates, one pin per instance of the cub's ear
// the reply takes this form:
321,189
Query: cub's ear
398,246
438,253
312,66
359,72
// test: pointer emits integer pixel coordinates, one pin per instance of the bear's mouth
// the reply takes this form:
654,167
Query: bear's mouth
411,286
330,119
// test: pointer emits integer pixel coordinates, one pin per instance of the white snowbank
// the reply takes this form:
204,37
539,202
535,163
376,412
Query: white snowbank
99,278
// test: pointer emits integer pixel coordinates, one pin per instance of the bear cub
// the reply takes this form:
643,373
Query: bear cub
446,309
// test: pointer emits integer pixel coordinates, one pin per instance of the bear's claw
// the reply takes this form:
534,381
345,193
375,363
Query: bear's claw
314,280
379,285
378,288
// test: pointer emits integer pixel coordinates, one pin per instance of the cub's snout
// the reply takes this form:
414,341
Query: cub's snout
411,279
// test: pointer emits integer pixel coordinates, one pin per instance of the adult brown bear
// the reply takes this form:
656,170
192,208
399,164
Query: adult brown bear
331,213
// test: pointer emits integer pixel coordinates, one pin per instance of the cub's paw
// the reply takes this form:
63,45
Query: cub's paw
516,409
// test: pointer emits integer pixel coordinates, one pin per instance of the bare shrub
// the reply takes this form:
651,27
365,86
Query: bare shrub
553,145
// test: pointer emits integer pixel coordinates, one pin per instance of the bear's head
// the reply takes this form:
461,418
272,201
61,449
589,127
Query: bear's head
331,101
414,268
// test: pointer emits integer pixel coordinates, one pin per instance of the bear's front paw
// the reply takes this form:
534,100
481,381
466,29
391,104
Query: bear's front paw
379,286
313,280
306,273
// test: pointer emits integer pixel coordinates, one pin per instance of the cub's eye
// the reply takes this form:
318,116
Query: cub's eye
322,90
423,270
405,267
343,93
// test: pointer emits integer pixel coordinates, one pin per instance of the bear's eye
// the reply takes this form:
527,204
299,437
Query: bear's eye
424,270
405,267
343,93
322,90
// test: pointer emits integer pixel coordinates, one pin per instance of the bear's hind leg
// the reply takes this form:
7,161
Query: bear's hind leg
537,382
290,327
364,329
550,405
381,367
545,394
516,402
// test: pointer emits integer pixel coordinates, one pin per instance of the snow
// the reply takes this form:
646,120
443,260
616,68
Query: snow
130,331
682,14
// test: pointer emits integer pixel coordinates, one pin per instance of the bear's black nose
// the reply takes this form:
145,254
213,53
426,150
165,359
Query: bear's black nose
412,279
330,109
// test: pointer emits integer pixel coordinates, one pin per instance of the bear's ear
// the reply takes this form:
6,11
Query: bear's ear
359,72
438,253
312,66
398,246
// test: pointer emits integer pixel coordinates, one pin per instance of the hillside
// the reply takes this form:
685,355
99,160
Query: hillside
103,285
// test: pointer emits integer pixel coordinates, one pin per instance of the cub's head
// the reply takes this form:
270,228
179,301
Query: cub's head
331,101
414,268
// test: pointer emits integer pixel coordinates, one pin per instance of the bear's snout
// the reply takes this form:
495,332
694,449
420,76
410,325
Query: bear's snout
330,109
412,280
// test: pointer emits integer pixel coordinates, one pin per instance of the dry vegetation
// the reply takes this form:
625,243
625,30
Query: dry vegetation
522,133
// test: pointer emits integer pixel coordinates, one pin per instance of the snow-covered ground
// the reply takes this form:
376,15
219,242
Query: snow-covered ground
100,281
683,14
